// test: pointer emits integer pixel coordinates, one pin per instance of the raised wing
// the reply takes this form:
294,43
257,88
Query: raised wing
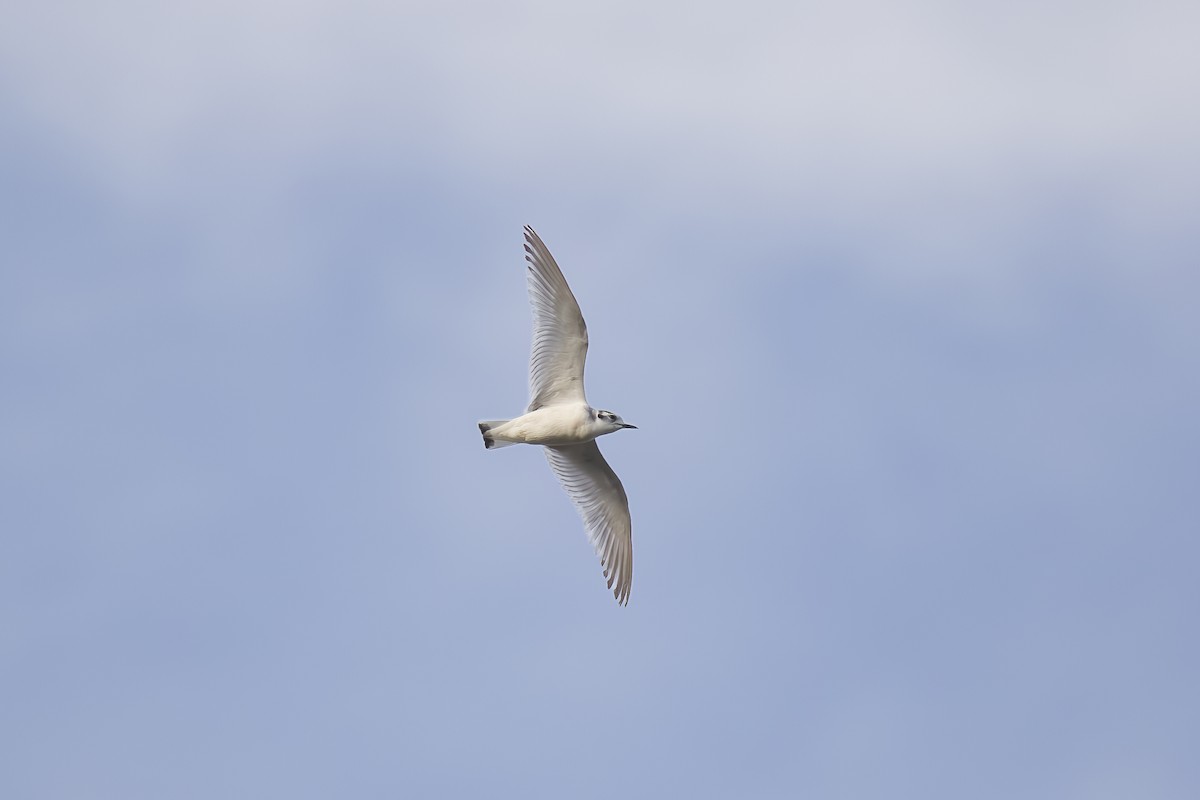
560,338
597,492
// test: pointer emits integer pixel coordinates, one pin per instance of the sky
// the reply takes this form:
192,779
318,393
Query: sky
901,297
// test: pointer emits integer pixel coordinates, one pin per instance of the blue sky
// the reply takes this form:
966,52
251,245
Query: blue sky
901,297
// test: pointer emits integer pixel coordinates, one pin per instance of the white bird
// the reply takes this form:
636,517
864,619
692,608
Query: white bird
560,419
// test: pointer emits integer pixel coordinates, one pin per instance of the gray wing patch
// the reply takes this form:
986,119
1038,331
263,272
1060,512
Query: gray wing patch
560,339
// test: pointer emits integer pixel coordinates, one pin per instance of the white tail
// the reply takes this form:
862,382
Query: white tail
485,427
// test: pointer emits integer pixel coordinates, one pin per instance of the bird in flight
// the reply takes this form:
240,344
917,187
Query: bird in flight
561,421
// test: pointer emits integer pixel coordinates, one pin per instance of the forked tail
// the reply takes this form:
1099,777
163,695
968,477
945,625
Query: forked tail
489,441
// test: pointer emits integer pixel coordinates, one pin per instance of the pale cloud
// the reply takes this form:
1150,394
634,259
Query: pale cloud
781,97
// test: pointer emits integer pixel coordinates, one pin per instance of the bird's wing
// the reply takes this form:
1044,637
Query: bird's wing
597,492
560,338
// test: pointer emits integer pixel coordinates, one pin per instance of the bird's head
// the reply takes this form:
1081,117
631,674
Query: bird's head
612,421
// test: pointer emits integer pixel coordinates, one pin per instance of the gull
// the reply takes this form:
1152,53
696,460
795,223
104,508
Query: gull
561,421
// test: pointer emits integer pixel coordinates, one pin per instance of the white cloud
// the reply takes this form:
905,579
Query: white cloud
771,87
931,130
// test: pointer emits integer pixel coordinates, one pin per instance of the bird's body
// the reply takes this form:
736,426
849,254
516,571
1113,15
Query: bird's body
563,424
560,419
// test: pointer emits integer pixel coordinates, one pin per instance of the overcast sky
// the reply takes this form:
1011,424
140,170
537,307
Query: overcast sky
902,297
